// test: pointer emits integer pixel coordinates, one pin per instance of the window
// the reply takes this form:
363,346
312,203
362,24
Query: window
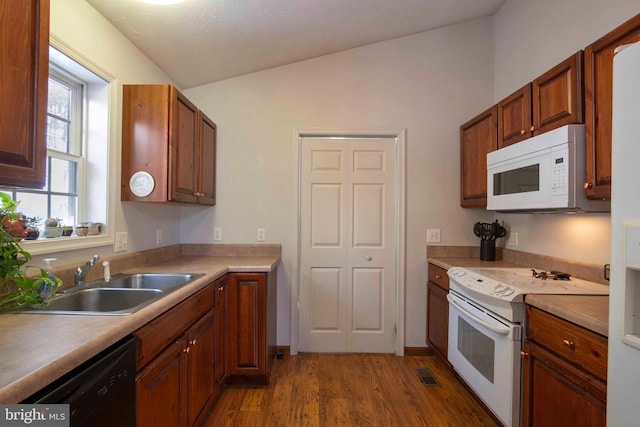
76,188
65,164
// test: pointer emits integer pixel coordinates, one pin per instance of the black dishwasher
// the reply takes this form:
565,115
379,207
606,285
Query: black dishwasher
101,391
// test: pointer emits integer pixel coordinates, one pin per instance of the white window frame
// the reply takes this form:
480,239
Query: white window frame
61,244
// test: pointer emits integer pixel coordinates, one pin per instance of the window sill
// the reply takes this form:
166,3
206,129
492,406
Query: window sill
61,244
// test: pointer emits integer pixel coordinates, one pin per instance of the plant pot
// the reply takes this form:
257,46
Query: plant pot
67,230
32,234
16,228
50,232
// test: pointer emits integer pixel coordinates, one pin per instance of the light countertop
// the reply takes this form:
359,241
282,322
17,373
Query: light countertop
37,349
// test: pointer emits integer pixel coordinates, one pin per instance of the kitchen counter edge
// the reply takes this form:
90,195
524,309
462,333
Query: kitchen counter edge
31,361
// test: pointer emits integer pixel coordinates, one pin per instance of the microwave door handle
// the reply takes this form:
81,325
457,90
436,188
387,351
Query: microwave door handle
501,331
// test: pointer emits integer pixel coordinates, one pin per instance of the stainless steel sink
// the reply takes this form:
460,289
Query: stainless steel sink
123,294
100,301
163,282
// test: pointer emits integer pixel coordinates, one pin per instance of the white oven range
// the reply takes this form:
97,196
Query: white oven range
486,321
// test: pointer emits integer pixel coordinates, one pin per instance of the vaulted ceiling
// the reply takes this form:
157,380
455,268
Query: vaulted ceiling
202,41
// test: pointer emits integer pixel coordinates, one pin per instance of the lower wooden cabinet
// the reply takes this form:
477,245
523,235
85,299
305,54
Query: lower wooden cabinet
200,367
221,326
564,371
223,334
160,397
175,383
252,315
438,310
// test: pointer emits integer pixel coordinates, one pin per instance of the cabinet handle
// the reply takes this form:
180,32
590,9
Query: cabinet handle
193,342
368,258
438,276
587,185
220,288
521,131
185,350
524,354
569,344
533,128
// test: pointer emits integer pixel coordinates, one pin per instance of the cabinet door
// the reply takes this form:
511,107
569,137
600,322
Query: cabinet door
598,71
220,348
207,173
23,84
247,335
477,138
437,319
557,96
183,157
514,117
557,394
160,389
145,138
200,377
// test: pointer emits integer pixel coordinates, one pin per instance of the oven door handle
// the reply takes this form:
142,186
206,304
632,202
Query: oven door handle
502,331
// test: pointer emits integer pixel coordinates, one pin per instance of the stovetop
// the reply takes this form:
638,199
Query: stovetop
502,290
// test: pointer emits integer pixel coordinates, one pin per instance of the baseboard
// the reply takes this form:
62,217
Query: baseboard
418,351
285,350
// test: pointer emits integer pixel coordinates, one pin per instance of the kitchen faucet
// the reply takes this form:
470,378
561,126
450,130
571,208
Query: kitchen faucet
81,273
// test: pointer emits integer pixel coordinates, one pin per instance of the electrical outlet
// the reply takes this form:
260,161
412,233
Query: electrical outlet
217,233
121,241
158,237
513,239
433,235
260,234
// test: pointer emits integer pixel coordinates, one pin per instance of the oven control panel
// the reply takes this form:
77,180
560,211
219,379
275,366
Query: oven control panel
482,284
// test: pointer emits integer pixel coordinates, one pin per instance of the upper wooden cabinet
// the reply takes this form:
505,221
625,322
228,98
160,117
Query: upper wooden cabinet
477,138
598,72
514,117
552,100
557,96
24,65
165,136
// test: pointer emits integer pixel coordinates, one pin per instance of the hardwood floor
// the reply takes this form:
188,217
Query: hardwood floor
351,390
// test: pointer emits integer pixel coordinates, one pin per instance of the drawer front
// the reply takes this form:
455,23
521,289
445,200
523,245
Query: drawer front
438,275
578,345
162,331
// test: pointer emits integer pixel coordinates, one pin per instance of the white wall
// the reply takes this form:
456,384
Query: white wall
79,26
428,84
530,37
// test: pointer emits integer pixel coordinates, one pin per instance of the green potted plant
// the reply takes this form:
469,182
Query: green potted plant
13,223
33,232
18,288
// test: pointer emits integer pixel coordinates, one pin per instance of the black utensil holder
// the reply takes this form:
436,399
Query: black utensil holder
488,250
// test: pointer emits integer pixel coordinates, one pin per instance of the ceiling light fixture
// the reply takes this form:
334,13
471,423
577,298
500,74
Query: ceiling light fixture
161,2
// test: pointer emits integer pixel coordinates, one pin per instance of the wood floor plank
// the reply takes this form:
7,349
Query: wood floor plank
318,390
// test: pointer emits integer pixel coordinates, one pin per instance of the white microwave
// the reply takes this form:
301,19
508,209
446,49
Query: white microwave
544,173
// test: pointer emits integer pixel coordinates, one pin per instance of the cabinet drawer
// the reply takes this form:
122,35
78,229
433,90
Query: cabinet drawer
578,345
162,331
438,275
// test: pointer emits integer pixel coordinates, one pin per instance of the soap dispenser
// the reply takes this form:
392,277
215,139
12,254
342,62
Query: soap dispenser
46,288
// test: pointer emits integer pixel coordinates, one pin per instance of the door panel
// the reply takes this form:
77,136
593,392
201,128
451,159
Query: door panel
347,266
326,219
326,284
367,310
368,214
